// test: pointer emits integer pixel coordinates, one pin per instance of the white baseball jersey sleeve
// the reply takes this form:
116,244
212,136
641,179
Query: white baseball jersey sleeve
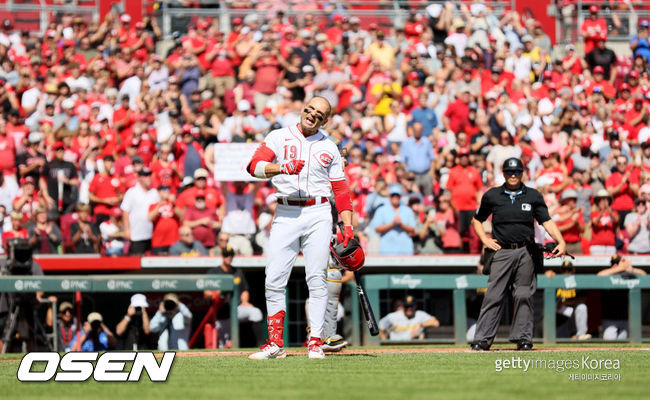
323,163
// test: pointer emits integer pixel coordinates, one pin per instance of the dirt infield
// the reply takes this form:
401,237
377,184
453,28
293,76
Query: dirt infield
406,350
352,351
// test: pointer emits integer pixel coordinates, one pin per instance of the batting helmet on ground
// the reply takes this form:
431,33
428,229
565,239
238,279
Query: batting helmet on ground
350,258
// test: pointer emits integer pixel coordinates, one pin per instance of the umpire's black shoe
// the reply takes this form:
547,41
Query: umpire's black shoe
481,346
524,345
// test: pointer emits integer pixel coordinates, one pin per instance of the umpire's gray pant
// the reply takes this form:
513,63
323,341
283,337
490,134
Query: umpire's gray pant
509,266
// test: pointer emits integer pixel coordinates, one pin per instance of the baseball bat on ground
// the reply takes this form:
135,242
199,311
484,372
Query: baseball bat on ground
368,314
365,306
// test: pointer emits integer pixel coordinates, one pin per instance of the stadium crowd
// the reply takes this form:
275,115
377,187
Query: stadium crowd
107,146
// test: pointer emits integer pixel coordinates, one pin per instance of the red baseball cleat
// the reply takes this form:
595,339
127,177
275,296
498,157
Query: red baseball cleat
315,348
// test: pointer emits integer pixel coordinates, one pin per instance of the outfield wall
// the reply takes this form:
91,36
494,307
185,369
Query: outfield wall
374,283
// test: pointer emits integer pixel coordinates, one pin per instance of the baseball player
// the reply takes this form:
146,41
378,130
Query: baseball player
305,168
332,342
336,276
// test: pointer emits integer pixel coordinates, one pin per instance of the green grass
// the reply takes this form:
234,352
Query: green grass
342,377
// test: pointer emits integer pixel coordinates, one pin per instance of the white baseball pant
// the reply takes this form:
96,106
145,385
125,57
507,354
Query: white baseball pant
334,310
294,227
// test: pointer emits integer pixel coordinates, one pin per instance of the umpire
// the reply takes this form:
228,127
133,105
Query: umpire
512,257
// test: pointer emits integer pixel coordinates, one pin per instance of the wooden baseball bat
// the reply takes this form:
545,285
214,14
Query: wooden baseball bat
368,314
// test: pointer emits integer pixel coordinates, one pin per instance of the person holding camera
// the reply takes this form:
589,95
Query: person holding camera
134,328
246,311
427,238
95,336
172,322
637,226
85,235
66,326
18,310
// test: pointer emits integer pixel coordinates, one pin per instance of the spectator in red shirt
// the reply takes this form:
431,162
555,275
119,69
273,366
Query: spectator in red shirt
464,183
603,225
105,191
108,137
599,81
593,28
335,33
16,232
203,221
28,200
572,61
570,221
124,118
165,222
16,129
124,167
165,171
553,174
457,113
622,189
447,220
213,198
222,72
7,152
268,72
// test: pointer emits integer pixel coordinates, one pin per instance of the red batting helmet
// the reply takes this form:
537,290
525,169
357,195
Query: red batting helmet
350,258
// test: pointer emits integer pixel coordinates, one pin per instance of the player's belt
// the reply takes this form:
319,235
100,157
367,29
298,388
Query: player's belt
513,245
302,203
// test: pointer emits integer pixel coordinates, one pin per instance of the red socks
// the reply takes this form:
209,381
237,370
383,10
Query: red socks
276,326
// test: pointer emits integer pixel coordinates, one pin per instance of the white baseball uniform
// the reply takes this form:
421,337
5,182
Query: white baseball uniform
309,226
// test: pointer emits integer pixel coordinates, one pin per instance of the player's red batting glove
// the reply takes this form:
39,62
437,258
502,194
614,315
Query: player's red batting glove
293,167
347,235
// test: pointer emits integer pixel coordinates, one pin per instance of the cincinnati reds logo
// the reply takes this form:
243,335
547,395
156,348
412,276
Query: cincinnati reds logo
324,158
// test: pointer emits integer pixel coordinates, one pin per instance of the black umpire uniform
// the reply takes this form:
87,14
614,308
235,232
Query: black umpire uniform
512,256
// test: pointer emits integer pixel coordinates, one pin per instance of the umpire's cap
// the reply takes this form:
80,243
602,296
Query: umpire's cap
567,264
513,164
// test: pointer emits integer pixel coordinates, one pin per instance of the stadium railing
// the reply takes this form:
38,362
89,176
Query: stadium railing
459,284
410,267
629,13
386,14
126,283
36,17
